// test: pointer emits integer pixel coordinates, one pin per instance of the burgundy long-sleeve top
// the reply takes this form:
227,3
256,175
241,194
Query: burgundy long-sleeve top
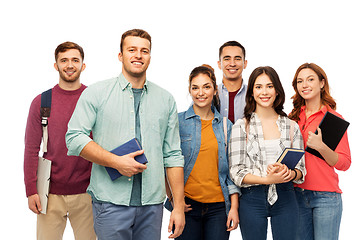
69,174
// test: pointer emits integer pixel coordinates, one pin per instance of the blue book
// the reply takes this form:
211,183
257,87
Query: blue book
290,157
129,147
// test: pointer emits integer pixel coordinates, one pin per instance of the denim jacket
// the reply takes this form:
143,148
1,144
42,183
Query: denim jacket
190,135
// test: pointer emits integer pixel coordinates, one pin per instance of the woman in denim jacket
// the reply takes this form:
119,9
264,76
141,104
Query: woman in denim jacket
211,198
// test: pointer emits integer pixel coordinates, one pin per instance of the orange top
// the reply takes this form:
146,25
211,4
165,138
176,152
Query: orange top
320,176
203,184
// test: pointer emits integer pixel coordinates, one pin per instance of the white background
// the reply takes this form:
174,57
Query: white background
185,34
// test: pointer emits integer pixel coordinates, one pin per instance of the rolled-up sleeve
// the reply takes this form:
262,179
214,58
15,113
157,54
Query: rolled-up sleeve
237,154
171,147
344,155
81,123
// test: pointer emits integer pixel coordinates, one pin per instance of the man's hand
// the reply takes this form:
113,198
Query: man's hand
177,223
34,203
128,166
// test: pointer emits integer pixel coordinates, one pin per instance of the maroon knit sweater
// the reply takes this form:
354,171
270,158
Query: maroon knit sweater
69,174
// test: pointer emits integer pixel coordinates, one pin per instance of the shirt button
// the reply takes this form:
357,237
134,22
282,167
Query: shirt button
129,179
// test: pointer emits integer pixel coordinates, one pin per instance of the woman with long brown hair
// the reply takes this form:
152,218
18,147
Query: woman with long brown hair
319,197
256,143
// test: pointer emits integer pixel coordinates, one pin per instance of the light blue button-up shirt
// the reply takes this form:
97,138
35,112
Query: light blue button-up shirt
239,101
106,109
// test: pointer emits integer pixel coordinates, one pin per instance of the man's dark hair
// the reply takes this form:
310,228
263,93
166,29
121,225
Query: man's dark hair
63,47
232,44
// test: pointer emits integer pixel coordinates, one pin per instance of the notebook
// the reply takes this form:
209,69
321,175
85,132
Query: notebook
333,129
131,146
290,157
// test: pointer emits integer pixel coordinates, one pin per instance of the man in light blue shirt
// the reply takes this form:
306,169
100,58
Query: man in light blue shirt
232,90
115,111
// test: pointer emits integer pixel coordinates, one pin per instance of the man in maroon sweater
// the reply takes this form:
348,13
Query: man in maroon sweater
70,175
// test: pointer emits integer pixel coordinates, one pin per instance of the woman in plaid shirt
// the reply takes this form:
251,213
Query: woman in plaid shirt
255,144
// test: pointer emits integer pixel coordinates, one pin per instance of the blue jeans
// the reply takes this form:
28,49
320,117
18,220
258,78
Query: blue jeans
206,221
116,222
254,211
320,214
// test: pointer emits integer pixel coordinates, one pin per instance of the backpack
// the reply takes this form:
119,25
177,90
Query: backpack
45,110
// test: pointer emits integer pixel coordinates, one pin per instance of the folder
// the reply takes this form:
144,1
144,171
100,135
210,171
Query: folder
43,182
333,129
290,157
131,146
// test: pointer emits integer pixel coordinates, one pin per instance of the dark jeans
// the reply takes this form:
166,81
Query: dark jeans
254,211
206,221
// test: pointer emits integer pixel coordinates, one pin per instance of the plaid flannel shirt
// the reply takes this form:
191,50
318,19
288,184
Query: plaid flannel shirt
247,151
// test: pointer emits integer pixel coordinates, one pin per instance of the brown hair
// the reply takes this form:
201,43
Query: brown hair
325,97
135,33
278,105
209,71
63,47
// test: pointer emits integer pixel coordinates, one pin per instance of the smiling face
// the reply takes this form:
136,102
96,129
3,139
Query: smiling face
264,92
69,64
232,63
309,85
135,57
202,91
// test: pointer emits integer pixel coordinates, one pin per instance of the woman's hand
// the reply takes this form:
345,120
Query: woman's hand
278,174
232,220
187,208
315,140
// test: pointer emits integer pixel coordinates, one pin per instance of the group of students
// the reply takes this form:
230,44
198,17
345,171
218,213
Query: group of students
219,155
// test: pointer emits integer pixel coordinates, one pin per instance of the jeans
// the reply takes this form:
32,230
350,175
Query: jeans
206,221
116,222
254,211
320,214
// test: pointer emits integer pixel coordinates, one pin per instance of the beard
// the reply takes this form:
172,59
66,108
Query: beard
73,78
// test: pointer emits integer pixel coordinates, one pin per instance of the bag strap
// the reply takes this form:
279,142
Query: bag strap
292,123
247,127
45,110
225,129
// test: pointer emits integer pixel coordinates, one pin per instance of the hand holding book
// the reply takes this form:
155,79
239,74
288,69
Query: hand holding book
129,151
128,166
278,173
315,139
332,129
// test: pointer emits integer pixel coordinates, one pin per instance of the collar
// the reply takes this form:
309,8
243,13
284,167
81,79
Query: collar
124,84
281,120
323,109
243,85
191,114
